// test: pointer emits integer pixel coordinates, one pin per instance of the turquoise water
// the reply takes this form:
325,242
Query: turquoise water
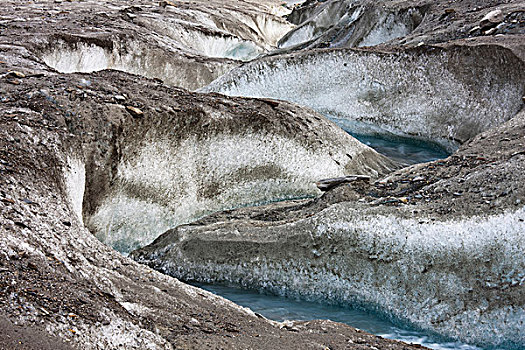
406,150
282,308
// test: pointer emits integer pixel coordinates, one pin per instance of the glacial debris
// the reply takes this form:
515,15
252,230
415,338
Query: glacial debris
327,184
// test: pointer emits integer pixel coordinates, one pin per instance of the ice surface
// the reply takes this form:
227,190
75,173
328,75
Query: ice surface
86,59
320,24
222,47
299,36
267,28
216,43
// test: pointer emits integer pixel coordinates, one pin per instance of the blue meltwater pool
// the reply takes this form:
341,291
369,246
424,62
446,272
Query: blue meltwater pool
406,150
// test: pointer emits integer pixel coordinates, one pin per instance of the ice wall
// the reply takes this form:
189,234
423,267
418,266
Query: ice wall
441,95
164,186
462,278
138,58
169,174
222,47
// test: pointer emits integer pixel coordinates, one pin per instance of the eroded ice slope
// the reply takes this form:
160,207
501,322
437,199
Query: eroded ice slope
180,46
442,95
188,162
463,279
349,24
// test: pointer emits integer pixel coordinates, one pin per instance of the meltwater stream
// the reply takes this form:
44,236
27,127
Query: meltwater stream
279,308
406,151
402,149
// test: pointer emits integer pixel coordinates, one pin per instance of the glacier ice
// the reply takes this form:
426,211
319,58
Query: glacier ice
462,278
137,58
186,48
170,177
350,24
440,95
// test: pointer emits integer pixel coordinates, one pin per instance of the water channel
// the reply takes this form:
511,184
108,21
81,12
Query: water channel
279,308
407,151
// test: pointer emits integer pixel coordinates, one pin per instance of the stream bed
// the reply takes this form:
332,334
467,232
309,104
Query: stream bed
279,308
